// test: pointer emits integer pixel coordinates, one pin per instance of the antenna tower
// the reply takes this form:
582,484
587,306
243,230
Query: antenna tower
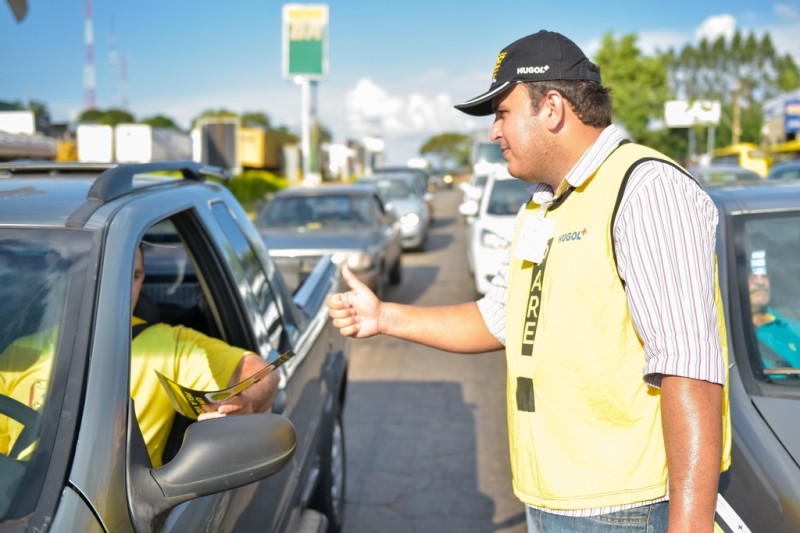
88,74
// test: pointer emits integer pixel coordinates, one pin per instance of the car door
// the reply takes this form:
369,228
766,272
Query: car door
279,325
211,288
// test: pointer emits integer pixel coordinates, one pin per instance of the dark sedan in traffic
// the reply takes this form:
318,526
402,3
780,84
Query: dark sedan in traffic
348,222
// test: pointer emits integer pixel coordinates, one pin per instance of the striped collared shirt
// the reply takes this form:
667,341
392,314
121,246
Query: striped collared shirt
664,238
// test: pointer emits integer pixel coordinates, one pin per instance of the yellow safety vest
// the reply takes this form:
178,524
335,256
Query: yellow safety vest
584,428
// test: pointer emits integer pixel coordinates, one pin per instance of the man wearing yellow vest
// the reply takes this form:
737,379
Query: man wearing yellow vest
608,308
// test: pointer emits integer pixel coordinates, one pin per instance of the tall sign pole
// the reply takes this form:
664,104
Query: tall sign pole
305,61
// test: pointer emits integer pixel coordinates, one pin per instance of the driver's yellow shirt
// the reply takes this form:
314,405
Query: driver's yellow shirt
183,355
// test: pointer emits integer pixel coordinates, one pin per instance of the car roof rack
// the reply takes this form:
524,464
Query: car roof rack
53,168
118,181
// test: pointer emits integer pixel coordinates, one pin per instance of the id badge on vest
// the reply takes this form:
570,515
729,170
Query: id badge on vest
536,232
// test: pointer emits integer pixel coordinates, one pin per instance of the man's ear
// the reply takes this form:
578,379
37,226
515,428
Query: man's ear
556,106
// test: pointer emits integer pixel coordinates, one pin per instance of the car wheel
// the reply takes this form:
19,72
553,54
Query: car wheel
396,274
329,496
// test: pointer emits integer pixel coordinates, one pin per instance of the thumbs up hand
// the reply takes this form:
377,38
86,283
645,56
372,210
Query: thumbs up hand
356,312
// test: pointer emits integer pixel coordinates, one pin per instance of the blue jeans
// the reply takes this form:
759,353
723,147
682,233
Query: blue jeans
646,519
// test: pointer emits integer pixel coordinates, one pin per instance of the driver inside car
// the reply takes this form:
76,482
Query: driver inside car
181,354
778,336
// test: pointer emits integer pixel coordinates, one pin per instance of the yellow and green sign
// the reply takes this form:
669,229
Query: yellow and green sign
305,41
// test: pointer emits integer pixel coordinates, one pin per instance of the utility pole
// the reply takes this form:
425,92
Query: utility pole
736,127
88,74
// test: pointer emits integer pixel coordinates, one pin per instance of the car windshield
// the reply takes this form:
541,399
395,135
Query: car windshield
724,175
489,153
785,172
317,211
392,188
41,276
507,197
769,269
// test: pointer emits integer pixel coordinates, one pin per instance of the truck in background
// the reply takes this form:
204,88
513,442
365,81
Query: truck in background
215,142
142,143
95,143
260,149
20,140
130,143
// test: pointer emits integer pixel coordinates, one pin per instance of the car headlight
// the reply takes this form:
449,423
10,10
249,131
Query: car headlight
409,220
490,239
354,260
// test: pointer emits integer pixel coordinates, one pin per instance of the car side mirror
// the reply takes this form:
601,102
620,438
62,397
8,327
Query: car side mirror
468,208
256,446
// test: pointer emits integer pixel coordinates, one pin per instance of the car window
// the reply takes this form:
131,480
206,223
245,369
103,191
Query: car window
732,159
172,289
769,270
42,279
721,175
248,270
392,189
507,196
788,172
488,152
317,212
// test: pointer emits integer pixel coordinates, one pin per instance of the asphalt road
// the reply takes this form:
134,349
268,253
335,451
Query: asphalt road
425,430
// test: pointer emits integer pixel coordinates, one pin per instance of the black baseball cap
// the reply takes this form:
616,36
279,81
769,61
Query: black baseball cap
543,56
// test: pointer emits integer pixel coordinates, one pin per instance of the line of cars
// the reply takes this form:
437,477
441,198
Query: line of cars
758,251
724,173
367,226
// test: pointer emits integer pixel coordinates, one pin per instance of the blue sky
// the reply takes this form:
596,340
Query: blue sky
396,68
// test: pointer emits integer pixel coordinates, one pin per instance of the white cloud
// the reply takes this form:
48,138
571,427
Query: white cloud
411,118
784,34
650,42
786,11
716,25
785,40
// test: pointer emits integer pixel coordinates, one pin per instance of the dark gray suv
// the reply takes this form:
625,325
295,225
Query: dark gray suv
68,238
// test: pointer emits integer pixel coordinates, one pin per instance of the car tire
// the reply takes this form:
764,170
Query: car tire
329,496
396,273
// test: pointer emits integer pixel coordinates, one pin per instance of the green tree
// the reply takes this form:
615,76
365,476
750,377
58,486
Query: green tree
741,73
448,147
161,121
110,117
255,119
214,113
285,135
638,85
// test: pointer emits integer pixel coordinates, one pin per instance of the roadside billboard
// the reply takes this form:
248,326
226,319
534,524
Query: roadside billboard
684,114
305,41
791,116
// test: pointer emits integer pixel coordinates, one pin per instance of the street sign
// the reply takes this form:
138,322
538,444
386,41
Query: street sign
305,41
684,114
792,116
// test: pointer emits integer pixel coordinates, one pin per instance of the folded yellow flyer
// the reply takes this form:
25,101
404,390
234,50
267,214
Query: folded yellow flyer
192,403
